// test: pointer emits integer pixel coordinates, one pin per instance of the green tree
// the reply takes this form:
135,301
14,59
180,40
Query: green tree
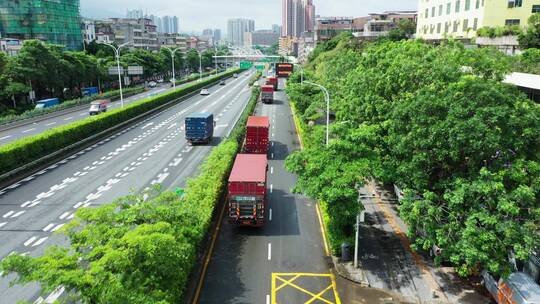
531,37
405,29
192,60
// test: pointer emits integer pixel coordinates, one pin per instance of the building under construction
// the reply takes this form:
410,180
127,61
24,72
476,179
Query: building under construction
52,21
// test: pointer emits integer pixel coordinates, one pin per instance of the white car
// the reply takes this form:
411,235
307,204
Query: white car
152,84
205,92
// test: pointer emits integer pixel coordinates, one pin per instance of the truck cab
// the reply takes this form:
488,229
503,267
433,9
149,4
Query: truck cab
98,106
518,288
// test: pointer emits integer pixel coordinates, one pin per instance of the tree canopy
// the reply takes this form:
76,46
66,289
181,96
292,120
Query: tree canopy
438,122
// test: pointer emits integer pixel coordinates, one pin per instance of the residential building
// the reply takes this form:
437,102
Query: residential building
173,40
440,19
276,28
309,16
134,14
236,29
298,16
306,45
56,22
288,46
261,37
327,28
217,36
88,30
10,46
141,32
379,24
372,26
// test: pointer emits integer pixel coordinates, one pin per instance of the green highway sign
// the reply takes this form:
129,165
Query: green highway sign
259,67
246,64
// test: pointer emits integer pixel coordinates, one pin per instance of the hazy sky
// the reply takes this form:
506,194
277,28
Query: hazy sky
196,15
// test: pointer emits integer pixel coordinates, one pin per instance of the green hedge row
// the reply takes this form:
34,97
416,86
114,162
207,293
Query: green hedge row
255,78
28,149
141,248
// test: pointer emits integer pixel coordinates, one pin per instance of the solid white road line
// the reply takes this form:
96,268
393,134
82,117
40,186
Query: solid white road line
271,188
29,130
269,251
271,170
5,137
30,241
267,299
270,216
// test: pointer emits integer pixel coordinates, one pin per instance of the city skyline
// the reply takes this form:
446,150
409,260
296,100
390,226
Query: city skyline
196,16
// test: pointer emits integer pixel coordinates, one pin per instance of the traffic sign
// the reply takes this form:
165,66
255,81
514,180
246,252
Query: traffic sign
135,70
259,67
246,65
114,71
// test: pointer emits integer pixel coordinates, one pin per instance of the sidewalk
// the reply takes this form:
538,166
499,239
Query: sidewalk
389,271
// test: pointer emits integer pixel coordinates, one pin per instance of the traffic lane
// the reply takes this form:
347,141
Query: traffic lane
52,189
31,242
53,122
247,262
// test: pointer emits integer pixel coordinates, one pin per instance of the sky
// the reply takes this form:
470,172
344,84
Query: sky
196,15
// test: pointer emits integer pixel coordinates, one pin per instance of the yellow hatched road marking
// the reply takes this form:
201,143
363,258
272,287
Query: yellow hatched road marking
287,279
306,291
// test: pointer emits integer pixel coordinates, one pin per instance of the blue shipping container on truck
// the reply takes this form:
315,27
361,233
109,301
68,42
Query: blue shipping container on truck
199,128
47,103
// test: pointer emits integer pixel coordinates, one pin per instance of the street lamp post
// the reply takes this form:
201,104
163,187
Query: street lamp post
215,58
327,97
200,64
117,54
173,51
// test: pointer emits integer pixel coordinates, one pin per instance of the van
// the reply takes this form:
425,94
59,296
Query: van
99,106
47,103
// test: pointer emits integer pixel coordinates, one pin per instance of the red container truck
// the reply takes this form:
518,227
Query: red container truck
247,190
273,81
267,94
257,135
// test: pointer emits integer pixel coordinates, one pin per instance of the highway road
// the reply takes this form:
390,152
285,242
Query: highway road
284,261
52,122
153,151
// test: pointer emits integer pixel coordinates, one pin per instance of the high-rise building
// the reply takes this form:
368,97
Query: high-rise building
261,37
55,22
217,36
236,29
309,16
298,16
158,22
439,19
169,24
287,18
135,14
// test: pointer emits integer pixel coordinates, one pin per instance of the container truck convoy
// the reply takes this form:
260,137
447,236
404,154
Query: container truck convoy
267,94
273,81
199,128
247,182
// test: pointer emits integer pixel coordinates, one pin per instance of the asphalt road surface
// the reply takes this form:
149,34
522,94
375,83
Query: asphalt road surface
152,151
284,261
53,122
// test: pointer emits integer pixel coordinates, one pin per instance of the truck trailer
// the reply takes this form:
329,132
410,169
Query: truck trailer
284,69
199,128
273,81
257,135
47,103
267,94
247,190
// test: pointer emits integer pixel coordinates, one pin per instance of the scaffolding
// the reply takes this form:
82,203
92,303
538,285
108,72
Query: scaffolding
53,21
